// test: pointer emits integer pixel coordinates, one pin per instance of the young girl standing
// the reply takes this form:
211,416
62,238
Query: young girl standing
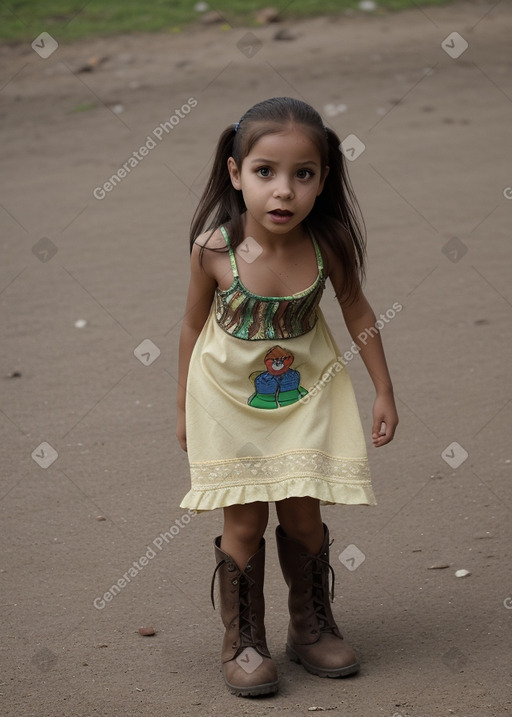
277,218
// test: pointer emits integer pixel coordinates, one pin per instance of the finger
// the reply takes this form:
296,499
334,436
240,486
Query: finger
385,438
379,427
385,434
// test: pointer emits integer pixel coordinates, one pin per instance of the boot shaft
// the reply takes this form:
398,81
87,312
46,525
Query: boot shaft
307,577
242,601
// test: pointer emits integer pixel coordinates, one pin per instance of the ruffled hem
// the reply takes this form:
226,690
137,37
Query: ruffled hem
328,493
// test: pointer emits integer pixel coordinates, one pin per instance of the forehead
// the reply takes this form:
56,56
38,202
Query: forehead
291,143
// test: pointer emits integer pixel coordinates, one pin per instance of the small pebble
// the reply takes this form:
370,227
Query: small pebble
438,566
147,631
284,34
80,323
462,573
267,15
211,18
367,5
100,517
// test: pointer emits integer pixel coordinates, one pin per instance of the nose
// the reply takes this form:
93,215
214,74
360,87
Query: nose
283,189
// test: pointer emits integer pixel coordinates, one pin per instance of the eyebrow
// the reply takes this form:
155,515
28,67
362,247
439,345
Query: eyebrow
262,160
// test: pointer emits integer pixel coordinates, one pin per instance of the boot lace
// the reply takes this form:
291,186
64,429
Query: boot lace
247,626
321,571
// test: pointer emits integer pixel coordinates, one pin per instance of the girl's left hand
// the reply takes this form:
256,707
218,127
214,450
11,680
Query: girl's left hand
385,419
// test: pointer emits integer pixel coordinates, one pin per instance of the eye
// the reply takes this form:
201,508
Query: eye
263,172
305,174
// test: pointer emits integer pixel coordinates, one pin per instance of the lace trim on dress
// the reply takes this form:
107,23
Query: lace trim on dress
309,463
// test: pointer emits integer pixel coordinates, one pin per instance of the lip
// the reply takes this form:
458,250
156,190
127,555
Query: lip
280,216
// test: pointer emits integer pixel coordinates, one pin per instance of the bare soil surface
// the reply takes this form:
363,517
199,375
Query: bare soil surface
434,181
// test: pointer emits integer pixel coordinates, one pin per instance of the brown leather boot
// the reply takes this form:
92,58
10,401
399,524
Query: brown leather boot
313,636
246,663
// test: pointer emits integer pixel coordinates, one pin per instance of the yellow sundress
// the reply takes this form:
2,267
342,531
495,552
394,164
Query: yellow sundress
270,408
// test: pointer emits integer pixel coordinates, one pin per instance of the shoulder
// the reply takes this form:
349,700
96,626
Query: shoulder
210,240
210,256
340,262
335,250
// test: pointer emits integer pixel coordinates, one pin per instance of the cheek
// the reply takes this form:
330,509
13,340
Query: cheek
308,192
251,188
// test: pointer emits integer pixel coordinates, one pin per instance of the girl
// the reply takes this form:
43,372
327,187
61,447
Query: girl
266,409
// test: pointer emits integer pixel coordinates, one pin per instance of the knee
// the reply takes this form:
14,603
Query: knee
303,530
247,533
303,522
246,527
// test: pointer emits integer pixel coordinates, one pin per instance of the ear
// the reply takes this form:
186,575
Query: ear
325,172
234,173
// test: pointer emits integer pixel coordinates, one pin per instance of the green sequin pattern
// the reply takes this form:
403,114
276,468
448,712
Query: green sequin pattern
251,317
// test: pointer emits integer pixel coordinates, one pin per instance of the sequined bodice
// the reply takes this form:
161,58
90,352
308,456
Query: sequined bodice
248,316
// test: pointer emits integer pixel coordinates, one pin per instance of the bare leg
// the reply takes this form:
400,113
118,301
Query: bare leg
244,526
301,520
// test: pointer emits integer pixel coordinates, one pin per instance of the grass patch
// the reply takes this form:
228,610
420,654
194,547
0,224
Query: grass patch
84,107
67,20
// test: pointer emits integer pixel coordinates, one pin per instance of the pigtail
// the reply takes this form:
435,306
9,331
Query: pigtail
337,217
220,202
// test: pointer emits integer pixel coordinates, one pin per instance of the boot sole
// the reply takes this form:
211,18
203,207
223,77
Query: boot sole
268,688
320,671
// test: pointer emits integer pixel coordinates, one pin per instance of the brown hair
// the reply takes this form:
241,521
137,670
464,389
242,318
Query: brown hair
335,218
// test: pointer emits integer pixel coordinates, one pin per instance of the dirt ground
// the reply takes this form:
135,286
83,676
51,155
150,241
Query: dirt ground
434,181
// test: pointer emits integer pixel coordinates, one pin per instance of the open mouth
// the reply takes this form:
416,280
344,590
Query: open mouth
280,216
281,212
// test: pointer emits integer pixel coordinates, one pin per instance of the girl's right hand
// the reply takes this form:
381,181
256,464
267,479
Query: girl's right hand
181,431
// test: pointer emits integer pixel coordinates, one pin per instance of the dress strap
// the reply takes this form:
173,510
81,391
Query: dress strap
233,260
319,259
231,254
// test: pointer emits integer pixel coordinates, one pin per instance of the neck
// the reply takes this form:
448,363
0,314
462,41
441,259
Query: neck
272,240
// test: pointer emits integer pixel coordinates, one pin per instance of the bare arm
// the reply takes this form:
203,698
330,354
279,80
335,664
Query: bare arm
360,320
361,324
199,300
